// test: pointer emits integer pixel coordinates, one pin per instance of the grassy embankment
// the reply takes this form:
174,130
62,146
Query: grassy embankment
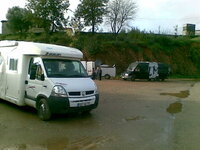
182,53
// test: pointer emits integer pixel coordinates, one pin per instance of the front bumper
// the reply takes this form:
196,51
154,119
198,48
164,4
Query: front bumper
62,105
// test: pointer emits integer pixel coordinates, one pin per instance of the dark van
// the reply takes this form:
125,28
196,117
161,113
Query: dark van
146,70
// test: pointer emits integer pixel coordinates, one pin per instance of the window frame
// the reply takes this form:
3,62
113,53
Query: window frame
13,64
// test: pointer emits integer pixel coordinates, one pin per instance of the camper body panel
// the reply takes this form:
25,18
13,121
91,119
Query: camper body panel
2,76
108,71
13,76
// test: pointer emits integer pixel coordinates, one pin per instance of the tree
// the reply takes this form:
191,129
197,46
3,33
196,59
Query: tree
18,20
49,14
92,12
119,13
76,23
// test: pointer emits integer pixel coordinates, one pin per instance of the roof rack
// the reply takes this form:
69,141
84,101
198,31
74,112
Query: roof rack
7,43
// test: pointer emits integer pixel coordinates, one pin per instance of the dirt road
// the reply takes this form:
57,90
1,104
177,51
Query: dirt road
136,115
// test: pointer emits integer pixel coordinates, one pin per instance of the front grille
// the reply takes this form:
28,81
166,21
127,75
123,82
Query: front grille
89,92
74,93
83,93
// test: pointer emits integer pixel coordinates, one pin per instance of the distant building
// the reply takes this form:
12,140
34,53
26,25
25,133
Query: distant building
5,30
189,29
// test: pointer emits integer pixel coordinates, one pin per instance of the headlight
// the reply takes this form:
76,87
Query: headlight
96,89
126,74
58,91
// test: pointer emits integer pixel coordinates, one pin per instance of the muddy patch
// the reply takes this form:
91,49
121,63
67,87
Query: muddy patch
181,94
2,126
57,144
175,108
192,85
25,147
85,143
134,118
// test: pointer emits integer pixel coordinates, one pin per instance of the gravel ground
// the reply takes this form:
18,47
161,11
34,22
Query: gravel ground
136,115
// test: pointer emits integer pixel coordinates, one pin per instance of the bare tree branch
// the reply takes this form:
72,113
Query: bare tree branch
119,12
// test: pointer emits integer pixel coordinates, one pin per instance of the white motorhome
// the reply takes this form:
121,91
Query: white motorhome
48,77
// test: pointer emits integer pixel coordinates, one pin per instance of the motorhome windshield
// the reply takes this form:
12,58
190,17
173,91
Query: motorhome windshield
61,68
132,66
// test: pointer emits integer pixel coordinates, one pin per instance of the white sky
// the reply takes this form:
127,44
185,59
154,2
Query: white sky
151,14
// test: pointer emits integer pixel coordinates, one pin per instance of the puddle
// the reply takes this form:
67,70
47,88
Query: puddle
85,143
134,118
175,108
181,94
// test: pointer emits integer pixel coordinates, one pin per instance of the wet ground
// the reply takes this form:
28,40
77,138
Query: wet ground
136,115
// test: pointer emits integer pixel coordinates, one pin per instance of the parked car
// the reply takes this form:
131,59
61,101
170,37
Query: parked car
146,70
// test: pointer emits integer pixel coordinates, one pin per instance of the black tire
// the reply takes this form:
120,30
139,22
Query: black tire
133,78
43,110
163,79
107,76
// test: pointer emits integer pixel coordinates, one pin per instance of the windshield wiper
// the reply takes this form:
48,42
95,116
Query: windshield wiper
58,75
77,76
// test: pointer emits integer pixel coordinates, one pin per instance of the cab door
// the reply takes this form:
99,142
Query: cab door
141,71
35,79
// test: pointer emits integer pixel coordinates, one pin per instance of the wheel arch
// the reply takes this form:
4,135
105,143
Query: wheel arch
39,97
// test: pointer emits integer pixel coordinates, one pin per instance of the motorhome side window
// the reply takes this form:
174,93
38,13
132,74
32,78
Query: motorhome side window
13,64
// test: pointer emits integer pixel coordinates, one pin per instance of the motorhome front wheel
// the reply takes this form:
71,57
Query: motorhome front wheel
44,112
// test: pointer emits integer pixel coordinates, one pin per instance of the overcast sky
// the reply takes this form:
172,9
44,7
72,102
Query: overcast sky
152,15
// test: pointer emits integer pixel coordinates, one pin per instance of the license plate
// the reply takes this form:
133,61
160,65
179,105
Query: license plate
83,104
